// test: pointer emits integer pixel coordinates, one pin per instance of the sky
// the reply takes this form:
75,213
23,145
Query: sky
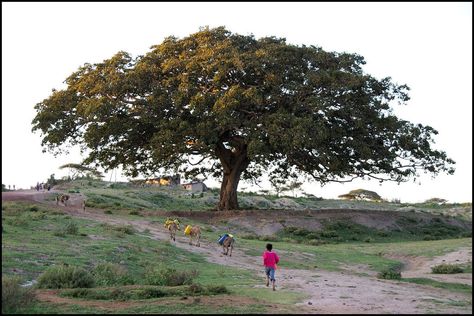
426,45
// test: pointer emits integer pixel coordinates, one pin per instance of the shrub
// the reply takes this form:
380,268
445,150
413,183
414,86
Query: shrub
169,276
14,297
268,238
249,236
148,293
290,229
71,228
62,276
129,230
316,242
59,233
217,289
119,294
107,274
194,289
38,216
447,269
390,274
329,234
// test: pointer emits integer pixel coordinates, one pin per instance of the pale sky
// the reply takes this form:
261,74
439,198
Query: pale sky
427,46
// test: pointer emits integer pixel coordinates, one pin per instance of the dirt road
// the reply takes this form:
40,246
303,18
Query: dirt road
328,292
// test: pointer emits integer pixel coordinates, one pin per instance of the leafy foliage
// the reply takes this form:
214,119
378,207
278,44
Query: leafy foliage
390,274
14,297
81,171
447,269
361,194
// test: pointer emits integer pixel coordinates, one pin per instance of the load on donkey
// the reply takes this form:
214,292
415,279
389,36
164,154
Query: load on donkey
172,226
226,241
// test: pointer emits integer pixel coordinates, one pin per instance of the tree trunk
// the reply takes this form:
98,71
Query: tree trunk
234,162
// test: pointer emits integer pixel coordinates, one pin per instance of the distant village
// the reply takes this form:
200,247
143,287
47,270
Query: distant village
195,186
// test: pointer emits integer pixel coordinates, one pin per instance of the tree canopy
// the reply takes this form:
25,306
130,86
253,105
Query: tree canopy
232,106
361,194
80,170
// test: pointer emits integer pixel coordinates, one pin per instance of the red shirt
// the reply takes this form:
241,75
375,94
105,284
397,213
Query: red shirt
270,259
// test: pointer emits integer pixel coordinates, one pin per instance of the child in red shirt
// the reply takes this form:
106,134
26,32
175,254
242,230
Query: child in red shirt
270,259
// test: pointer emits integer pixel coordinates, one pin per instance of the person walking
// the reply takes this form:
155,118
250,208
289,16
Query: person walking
270,259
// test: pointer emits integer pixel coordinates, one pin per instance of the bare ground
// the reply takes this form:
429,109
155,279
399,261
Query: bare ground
328,292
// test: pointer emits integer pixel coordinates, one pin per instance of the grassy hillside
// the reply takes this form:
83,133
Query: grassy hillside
125,196
103,267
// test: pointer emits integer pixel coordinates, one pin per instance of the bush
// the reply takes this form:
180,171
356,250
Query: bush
120,295
249,236
217,289
329,234
62,276
316,242
194,289
169,277
71,228
129,230
59,233
14,297
390,274
107,274
447,269
148,293
268,238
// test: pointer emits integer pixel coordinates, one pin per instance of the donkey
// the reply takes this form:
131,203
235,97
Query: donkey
194,232
226,244
173,227
63,198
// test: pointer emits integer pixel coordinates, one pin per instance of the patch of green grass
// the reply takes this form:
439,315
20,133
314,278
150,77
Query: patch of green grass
348,232
334,257
266,294
454,287
143,292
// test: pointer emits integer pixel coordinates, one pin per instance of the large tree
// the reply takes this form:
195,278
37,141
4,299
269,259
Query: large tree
232,106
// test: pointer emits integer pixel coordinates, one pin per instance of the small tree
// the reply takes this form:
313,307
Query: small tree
52,180
436,201
79,170
278,186
294,185
361,194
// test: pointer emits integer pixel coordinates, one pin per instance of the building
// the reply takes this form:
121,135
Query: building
195,186
166,180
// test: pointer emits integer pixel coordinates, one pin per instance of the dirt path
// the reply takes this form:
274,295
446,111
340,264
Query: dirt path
420,267
328,292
